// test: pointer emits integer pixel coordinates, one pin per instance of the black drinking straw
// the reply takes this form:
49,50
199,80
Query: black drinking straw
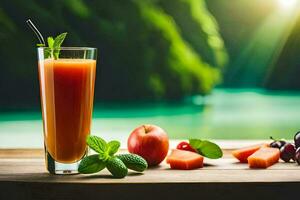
36,31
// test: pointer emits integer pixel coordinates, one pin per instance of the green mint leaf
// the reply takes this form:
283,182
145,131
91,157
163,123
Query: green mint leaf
195,143
40,45
104,156
57,43
97,144
210,150
59,40
47,53
56,53
50,42
206,148
91,164
113,147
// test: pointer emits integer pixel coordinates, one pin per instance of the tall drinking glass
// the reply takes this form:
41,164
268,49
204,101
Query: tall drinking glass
67,93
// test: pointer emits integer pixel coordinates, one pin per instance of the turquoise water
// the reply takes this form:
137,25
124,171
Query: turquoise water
226,114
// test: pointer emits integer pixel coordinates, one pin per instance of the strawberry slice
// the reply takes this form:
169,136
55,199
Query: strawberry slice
185,146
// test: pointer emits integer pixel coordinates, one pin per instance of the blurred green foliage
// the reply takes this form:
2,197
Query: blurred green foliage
285,72
150,49
262,40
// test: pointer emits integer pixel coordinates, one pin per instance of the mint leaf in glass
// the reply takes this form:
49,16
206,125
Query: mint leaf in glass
50,42
57,43
59,40
54,45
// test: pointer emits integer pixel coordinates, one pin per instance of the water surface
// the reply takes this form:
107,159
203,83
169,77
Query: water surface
226,114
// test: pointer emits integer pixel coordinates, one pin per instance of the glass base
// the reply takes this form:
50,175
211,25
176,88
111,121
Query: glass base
61,168
55,167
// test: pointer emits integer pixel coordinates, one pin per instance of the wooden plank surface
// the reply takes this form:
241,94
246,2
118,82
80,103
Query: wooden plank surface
22,172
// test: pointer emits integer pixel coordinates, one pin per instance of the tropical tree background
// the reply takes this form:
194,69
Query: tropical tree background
154,49
146,48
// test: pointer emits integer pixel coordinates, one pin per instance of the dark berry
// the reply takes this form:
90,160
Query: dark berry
277,143
185,146
297,139
287,152
297,156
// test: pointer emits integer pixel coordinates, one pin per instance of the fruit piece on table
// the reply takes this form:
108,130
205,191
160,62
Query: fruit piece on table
149,141
243,153
264,157
116,167
297,139
133,162
277,143
287,152
297,156
185,146
181,159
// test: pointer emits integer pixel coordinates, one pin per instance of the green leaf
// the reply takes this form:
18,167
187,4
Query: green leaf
113,147
91,164
50,42
195,143
40,45
210,150
57,43
47,53
206,148
104,156
59,40
97,144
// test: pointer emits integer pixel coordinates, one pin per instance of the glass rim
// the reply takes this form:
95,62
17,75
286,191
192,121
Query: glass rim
70,48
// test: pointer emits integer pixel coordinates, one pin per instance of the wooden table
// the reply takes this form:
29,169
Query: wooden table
23,176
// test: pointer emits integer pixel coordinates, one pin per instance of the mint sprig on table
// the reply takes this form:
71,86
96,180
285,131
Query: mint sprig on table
54,45
105,150
206,148
118,165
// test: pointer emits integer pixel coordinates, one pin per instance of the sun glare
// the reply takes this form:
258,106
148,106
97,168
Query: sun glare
287,4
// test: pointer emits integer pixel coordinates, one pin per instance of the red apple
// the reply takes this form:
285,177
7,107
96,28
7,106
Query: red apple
149,141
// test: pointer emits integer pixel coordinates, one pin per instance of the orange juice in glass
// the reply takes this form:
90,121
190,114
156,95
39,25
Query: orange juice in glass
67,93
